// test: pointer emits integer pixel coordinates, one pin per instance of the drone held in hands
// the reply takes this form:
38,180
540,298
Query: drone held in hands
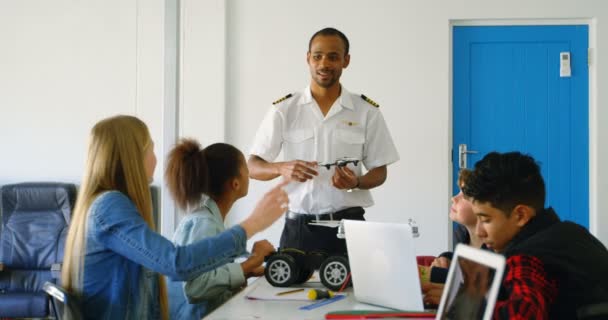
342,162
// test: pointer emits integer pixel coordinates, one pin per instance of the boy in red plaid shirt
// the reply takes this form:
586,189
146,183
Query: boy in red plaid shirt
554,269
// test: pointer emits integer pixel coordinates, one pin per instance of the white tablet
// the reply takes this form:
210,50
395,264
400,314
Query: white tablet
472,285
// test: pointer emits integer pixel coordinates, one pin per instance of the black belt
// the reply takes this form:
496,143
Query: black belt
353,212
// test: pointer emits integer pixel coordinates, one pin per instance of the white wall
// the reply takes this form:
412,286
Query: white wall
64,65
203,63
400,57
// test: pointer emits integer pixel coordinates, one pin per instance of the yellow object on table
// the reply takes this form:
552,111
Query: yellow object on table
317,294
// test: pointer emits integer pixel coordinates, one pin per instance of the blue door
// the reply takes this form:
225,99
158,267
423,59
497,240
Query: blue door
509,94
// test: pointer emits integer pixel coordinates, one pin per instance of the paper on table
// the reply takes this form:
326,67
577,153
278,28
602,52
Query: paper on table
265,291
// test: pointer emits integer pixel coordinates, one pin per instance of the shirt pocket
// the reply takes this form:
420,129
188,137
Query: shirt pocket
348,143
299,145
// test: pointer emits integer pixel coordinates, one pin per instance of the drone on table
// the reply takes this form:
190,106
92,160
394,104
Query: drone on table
342,162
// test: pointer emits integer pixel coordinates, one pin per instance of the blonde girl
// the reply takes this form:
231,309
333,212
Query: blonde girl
113,257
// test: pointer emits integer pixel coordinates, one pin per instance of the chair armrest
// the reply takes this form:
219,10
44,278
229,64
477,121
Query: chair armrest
55,291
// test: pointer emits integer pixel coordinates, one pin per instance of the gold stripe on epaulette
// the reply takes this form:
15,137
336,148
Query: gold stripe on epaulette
370,101
283,99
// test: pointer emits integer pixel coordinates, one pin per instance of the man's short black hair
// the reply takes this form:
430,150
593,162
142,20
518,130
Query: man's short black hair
505,180
331,32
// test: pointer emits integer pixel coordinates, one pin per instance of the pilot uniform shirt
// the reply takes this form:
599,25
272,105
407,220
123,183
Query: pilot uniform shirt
352,128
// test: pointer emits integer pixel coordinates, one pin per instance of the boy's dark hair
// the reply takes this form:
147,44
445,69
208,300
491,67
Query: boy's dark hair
505,180
192,171
331,32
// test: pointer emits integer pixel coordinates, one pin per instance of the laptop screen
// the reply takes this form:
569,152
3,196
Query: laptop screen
383,264
472,286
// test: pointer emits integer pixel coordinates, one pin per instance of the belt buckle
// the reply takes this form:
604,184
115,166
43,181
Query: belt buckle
319,217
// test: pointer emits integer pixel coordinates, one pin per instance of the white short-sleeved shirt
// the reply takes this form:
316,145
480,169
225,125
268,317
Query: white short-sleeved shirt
352,128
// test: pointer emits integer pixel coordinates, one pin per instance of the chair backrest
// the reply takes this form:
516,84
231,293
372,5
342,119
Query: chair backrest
34,220
425,260
65,306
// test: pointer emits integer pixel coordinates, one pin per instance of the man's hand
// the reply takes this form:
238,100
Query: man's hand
344,178
298,170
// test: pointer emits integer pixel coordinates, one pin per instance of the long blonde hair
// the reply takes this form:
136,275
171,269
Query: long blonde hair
115,161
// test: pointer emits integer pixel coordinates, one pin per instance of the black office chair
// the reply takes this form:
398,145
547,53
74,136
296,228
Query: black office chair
34,219
64,305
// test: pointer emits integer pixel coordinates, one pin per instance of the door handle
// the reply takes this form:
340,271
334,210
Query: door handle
462,155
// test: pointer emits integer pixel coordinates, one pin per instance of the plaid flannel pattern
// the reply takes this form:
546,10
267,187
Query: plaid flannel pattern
529,290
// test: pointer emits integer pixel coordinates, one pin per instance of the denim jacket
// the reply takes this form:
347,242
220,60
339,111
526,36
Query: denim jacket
196,298
123,256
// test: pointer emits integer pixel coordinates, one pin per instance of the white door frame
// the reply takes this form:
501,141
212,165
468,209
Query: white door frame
170,112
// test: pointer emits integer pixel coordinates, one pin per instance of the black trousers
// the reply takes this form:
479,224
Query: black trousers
298,234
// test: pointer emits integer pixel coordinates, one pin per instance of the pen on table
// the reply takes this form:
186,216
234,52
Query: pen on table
290,291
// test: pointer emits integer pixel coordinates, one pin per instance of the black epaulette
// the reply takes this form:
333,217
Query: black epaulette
283,99
370,101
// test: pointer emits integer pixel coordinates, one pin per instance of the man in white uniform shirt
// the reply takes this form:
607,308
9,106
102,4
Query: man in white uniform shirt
319,125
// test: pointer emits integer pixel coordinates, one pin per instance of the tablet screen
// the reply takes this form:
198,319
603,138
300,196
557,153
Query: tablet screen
467,292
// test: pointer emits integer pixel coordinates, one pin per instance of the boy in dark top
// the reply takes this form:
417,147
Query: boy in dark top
554,268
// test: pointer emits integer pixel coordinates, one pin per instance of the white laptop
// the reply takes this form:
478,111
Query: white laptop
472,285
385,273
383,264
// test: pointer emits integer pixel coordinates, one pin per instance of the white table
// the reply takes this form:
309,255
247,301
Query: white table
241,308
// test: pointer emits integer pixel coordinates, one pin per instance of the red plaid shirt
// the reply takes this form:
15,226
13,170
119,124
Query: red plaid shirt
528,289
